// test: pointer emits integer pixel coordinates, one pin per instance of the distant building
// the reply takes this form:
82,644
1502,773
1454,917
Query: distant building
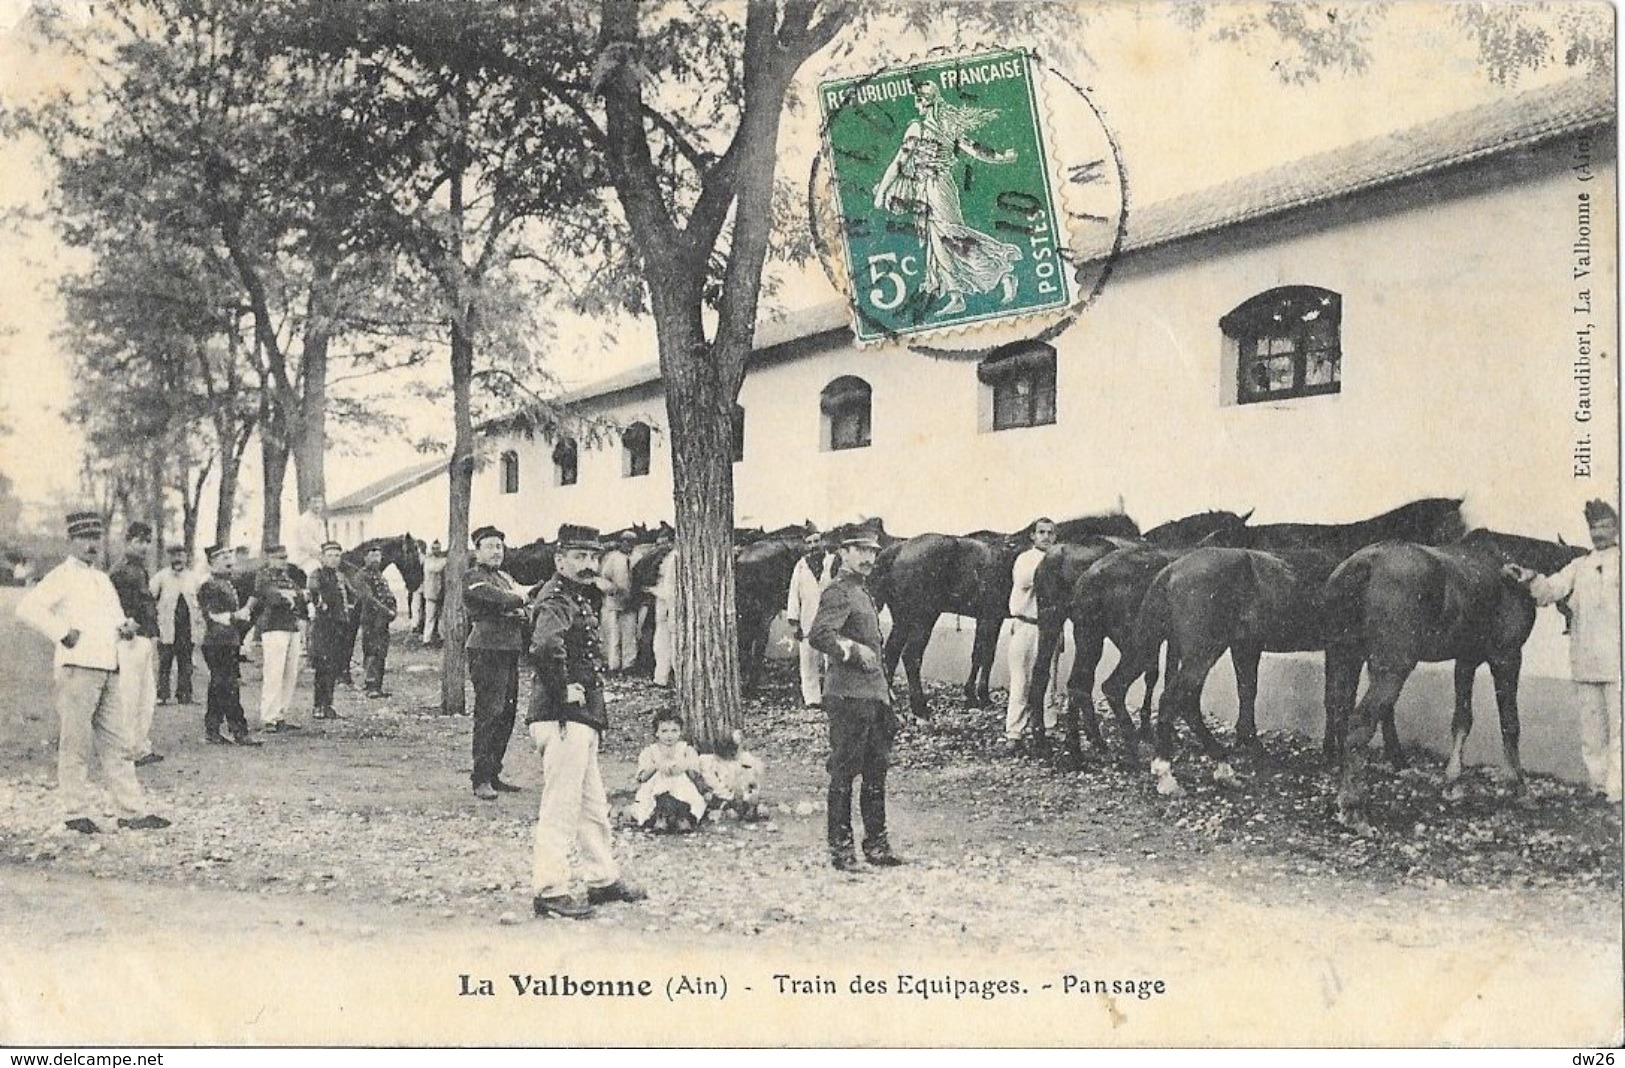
412,501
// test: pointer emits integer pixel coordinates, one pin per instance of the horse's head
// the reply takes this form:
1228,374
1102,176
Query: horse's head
1430,521
408,560
1193,529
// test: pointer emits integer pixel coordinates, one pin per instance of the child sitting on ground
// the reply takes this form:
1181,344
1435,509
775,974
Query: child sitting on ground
733,778
667,798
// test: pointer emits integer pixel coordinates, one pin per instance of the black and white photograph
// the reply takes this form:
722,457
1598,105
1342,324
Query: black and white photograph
808,523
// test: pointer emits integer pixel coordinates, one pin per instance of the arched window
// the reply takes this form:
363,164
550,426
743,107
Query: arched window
510,472
1019,382
635,451
1288,344
844,404
739,433
564,462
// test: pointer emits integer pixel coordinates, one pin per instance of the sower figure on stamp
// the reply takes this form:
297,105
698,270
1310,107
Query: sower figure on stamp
496,636
566,718
279,590
179,619
77,608
807,583
377,612
225,619
332,607
1591,584
857,700
137,664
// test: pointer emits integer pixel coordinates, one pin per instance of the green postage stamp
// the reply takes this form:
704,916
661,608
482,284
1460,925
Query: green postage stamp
948,214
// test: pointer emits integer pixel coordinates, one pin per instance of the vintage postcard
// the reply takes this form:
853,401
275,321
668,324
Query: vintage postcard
1141,480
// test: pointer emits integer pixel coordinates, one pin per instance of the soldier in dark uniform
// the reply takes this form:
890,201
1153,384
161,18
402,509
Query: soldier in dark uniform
857,700
377,612
496,618
566,718
224,619
138,662
332,606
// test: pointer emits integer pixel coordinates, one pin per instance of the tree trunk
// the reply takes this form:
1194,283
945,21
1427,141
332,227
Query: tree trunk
231,463
705,655
310,435
274,455
453,621
453,657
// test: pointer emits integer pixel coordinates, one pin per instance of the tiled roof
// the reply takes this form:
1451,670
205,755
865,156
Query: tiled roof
1491,129
383,489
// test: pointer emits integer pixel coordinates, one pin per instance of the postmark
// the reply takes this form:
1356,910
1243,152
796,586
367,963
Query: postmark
949,212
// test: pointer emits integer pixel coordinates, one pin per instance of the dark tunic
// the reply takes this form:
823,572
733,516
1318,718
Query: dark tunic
134,586
218,596
846,611
496,611
280,591
333,605
565,649
377,600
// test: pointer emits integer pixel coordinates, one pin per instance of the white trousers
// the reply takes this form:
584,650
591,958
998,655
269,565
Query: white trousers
281,649
662,642
573,811
1022,655
1600,734
619,630
138,689
812,674
93,724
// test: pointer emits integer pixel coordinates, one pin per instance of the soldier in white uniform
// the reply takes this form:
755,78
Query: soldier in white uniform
77,608
809,579
1023,647
1591,584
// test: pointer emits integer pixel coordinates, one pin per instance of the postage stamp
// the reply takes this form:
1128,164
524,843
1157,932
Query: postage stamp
948,212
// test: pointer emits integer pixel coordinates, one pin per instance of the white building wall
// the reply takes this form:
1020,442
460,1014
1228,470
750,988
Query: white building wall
1456,382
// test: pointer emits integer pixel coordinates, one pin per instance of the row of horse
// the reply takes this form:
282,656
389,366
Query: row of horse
1383,594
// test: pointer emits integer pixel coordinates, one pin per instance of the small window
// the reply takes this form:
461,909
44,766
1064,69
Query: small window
1021,379
510,472
739,433
1288,344
635,451
845,406
564,462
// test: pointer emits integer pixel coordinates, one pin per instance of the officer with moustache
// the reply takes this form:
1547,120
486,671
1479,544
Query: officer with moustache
496,634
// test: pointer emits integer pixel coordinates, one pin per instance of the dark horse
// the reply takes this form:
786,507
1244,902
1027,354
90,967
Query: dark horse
400,552
927,575
1394,605
762,570
1099,610
1252,600
530,564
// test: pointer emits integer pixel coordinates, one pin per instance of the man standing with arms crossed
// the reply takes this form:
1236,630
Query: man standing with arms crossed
137,662
377,612
619,621
807,582
857,700
434,589
566,718
332,606
77,608
496,634
179,619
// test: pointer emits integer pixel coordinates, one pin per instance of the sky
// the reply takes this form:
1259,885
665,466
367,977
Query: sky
1187,114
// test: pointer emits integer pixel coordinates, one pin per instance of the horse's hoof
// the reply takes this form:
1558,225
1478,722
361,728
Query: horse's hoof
1169,787
1225,775
1454,791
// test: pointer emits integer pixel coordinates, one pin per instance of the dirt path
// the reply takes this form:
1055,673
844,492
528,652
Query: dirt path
336,885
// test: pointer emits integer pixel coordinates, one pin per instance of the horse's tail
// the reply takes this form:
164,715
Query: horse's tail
1153,624
880,590
1342,599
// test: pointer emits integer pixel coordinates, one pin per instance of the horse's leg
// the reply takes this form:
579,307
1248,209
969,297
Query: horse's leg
983,651
1087,644
1244,659
1151,672
1183,697
1461,723
1342,684
913,658
1381,693
1505,670
895,641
